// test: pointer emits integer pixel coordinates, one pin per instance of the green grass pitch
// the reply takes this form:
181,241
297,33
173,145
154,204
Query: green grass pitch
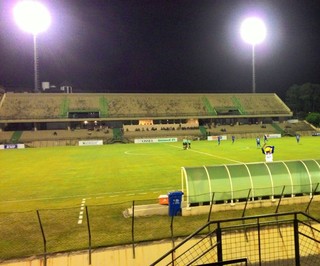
60,177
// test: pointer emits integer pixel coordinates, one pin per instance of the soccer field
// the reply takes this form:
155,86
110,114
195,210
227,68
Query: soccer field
59,177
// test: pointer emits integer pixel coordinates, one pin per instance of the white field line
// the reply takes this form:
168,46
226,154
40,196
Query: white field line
83,202
137,154
110,194
208,154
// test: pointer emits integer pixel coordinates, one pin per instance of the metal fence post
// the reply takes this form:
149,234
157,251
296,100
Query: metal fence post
259,240
246,204
219,242
244,213
44,240
132,231
89,234
209,217
282,192
211,205
172,239
311,199
296,239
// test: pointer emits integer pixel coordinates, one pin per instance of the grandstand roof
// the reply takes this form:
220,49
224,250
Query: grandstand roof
22,107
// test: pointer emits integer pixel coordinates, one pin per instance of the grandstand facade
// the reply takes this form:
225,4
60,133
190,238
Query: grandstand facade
45,116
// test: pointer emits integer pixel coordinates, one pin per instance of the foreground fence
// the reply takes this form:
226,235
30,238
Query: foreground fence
49,231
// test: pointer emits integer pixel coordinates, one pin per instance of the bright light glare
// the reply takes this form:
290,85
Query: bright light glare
32,16
253,30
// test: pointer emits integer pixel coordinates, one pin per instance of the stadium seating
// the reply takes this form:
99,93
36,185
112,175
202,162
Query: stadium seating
54,105
243,115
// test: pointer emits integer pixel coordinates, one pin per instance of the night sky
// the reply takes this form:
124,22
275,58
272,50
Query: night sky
164,46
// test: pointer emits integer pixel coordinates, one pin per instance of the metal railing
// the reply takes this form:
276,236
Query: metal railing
278,239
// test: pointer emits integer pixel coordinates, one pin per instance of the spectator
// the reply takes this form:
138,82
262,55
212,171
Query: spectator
268,151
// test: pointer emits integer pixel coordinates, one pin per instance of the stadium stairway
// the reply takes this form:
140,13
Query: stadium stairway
117,133
103,104
16,136
64,107
117,136
209,108
237,103
203,131
278,129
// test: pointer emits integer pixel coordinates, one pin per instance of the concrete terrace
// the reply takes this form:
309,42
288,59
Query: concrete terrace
46,106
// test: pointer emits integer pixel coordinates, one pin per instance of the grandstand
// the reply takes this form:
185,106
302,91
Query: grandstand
47,106
64,119
137,115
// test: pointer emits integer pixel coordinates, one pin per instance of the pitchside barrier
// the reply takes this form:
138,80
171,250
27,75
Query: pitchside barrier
231,182
154,140
11,146
90,142
225,137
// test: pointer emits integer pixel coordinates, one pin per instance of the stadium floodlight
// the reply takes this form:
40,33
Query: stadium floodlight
253,31
33,17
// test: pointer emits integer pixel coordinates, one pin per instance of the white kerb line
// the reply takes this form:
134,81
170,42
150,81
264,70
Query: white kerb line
81,211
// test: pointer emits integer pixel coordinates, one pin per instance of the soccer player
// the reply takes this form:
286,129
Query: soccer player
265,138
298,138
233,139
184,144
258,142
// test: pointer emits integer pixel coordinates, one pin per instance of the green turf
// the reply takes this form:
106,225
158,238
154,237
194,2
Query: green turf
58,177
55,180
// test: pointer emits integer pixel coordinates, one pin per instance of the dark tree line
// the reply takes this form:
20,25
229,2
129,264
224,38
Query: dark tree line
304,101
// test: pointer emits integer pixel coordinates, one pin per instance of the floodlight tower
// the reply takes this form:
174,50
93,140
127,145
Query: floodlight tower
253,31
33,17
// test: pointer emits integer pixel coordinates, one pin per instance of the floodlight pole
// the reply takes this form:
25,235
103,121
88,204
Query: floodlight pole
36,73
32,17
253,31
253,71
